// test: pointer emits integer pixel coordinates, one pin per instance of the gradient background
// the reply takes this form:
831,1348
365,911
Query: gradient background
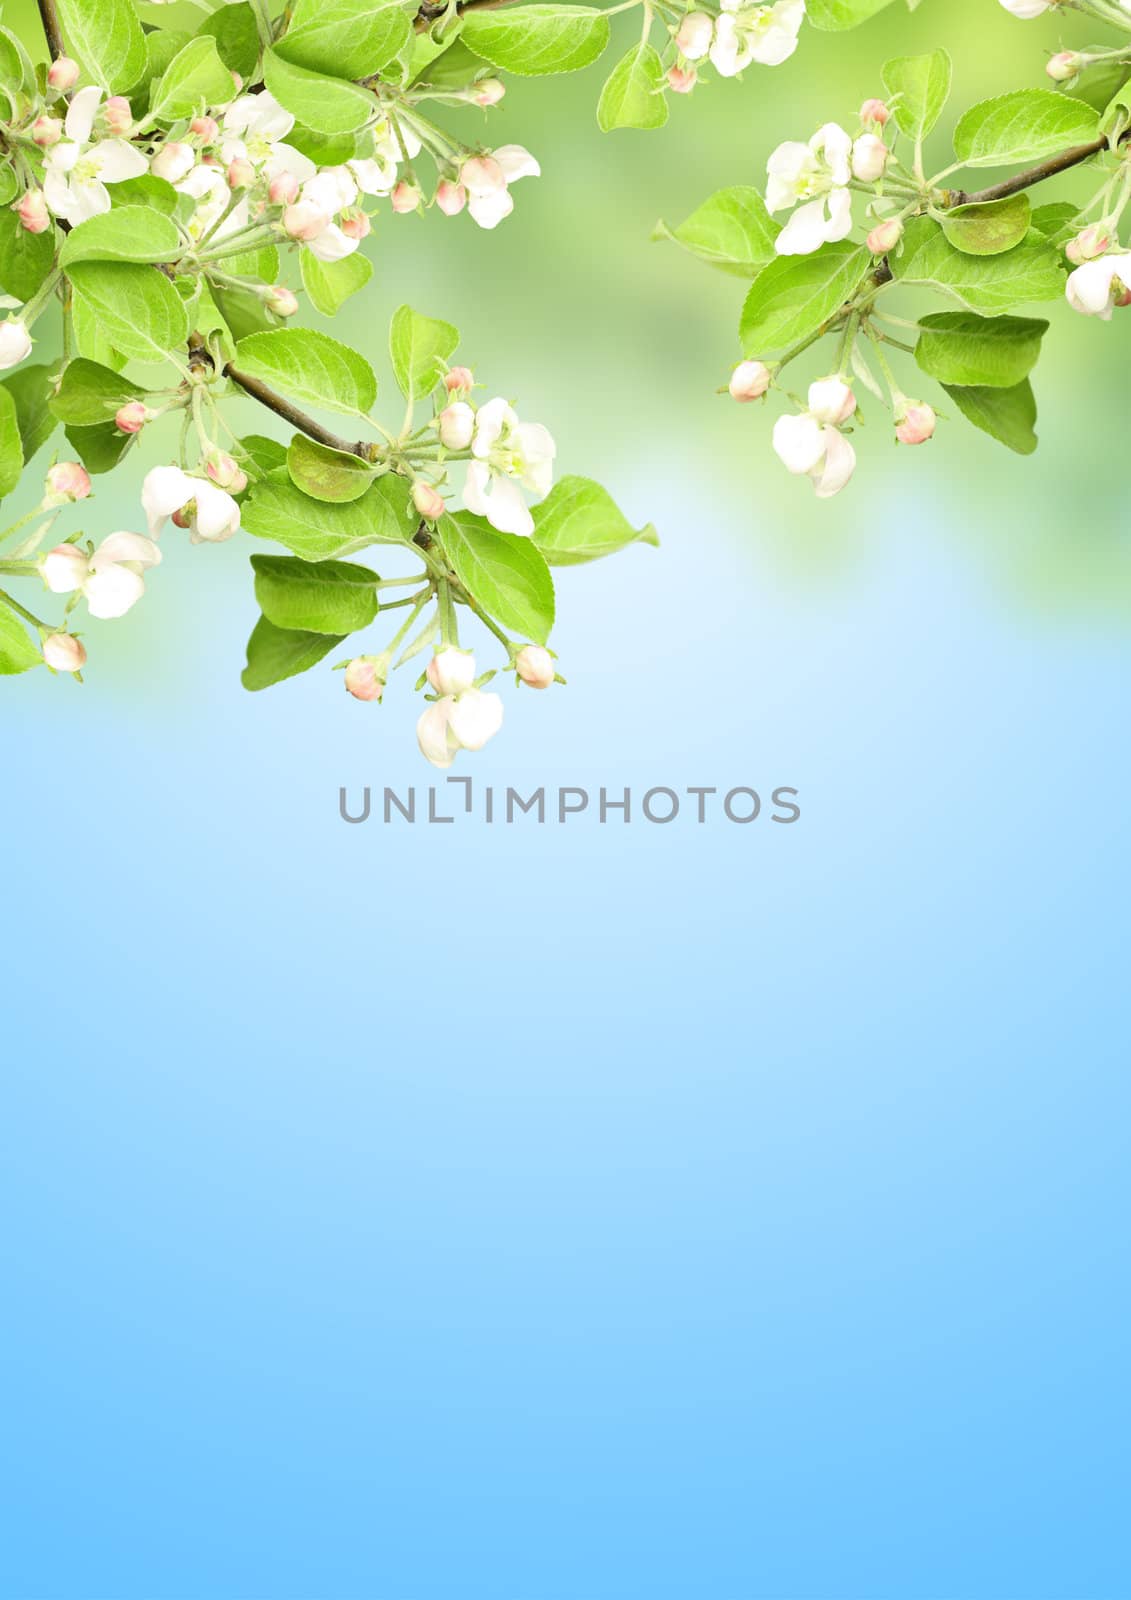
722,1213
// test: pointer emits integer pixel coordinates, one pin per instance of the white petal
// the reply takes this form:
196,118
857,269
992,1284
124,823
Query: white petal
88,199
374,177
535,442
1089,287
516,162
81,113
488,210
490,420
165,490
504,507
725,53
118,160
217,514
838,466
125,547
332,244
839,208
475,717
434,736
799,442
805,231
111,593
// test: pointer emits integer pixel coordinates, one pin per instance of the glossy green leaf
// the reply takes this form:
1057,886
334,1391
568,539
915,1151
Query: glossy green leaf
318,530
310,367
138,310
274,654
732,231
580,521
324,104
326,474
533,40
17,652
196,77
918,87
346,38
987,229
237,37
1022,126
957,347
125,233
30,387
633,96
106,37
329,284
419,348
89,393
795,295
1007,415
11,452
505,574
1030,271
25,258
335,597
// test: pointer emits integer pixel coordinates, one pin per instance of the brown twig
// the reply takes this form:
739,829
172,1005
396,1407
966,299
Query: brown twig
199,356
1064,162
433,9
50,20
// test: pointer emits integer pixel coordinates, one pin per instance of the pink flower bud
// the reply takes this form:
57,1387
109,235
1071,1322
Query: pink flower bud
1123,298
355,224
451,671
869,158
66,481
488,92
428,502
681,80
874,112
63,74
405,197
32,212
281,301
915,422
749,381
173,161
182,518
482,175
459,380
46,131
132,417
694,35
362,680
885,236
204,129
304,221
118,116
1091,242
225,471
535,666
64,653
831,401
283,189
451,197
241,174
1064,66
457,425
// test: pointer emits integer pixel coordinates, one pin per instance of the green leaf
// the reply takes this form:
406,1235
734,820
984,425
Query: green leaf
161,46
732,231
314,368
326,474
1022,126
836,15
920,88
633,96
335,597
1030,271
106,37
329,284
503,573
196,77
449,65
318,530
90,393
266,454
138,310
419,348
1005,414
9,184
277,653
101,448
324,104
579,521
959,348
147,191
237,37
1055,221
25,258
11,453
794,295
989,228
324,149
30,389
16,69
126,233
243,312
346,38
533,40
17,653
262,264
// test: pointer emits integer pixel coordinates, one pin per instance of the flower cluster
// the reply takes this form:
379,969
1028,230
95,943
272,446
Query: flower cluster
813,180
742,34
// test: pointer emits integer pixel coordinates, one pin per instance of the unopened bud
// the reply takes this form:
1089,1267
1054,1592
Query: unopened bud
488,92
428,502
304,221
63,74
915,423
173,161
885,236
132,417
681,80
694,35
1064,66
281,300
240,174
405,197
225,471
33,213
482,175
206,130
831,401
457,425
64,653
749,381
1089,243
1122,299
66,481
182,518
869,158
459,380
47,131
118,116
451,671
354,224
362,680
874,113
283,189
535,666
64,568
451,197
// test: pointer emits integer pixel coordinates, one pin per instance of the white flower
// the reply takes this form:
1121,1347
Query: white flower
451,671
209,188
869,158
387,142
487,179
215,517
694,34
507,453
766,34
15,342
458,722
1028,9
110,580
1091,288
818,174
434,736
807,446
173,162
76,171
831,401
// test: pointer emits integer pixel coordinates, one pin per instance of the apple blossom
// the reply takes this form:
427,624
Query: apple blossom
885,236
32,211
15,343
749,381
281,300
110,580
428,502
64,653
283,189
1091,287
1065,66
355,224
459,380
535,666
456,424
817,174
869,158
875,113
831,400
304,221
458,722
694,35
117,115
362,679
66,481
450,197
681,80
210,511
46,131
173,162
451,670
488,92
405,197
132,417
434,735
205,130
914,422
224,470
487,179
77,170
240,173
817,450
63,74
749,32
507,453
1089,243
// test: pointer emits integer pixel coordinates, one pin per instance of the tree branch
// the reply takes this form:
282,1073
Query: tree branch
258,390
1025,180
431,10
50,20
